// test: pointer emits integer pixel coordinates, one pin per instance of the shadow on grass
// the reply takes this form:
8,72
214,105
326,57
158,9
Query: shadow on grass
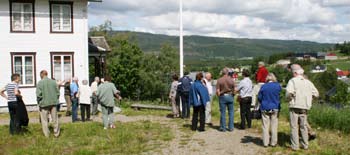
250,139
283,139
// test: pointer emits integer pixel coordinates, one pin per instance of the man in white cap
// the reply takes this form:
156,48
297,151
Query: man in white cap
300,92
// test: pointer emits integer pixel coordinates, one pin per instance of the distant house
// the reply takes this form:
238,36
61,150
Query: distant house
318,69
342,74
40,35
98,49
305,56
321,55
283,63
331,56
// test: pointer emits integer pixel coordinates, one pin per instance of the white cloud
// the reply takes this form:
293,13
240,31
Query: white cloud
337,3
314,20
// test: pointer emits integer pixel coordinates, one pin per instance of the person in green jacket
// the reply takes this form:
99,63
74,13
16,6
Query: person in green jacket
106,93
47,96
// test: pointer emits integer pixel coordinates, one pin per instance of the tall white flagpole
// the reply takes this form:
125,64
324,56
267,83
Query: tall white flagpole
181,43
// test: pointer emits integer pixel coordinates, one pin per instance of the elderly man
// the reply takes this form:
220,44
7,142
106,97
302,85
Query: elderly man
106,93
245,89
94,100
224,89
47,95
300,92
260,78
209,86
74,90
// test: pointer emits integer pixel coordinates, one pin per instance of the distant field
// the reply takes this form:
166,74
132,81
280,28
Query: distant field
341,64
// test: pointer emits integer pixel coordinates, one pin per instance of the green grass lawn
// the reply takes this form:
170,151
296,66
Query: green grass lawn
341,64
87,138
143,136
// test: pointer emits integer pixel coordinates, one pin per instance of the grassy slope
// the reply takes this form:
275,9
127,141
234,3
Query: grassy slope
138,137
341,64
87,138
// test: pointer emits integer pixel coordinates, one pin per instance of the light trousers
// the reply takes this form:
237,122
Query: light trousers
208,110
107,116
175,105
256,90
298,120
270,120
68,102
44,113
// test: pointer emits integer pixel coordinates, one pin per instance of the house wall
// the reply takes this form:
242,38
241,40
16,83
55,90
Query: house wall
331,58
43,42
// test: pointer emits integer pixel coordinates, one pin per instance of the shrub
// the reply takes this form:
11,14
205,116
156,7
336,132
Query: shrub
329,117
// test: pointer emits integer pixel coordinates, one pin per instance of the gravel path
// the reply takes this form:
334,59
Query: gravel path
186,142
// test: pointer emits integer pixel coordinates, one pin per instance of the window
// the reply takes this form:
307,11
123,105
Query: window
22,16
62,65
24,65
61,17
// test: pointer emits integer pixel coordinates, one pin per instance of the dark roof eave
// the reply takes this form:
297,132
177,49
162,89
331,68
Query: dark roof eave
95,0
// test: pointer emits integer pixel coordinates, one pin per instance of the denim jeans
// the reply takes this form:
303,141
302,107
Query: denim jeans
74,109
226,101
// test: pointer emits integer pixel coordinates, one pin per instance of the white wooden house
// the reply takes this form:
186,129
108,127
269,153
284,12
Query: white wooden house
40,35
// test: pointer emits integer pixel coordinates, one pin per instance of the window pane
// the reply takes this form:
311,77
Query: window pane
27,7
66,13
17,16
28,25
68,67
57,70
56,17
16,7
18,66
29,70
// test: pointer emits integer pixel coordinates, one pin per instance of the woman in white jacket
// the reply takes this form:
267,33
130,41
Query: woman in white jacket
85,100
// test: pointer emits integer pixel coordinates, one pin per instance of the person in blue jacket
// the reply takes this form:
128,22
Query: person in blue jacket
198,97
269,98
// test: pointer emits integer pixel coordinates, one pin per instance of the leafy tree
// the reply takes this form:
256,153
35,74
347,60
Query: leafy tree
282,74
342,95
156,72
124,65
343,48
101,30
275,57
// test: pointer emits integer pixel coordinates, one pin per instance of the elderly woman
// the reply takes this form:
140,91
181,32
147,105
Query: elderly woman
198,98
269,98
174,97
85,95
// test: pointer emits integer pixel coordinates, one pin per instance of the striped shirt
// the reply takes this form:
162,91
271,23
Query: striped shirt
10,89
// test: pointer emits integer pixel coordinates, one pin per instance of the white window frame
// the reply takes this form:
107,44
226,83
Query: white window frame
56,54
61,14
23,66
32,18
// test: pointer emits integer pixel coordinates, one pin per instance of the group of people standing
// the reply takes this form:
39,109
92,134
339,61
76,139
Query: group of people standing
101,93
299,92
264,97
197,93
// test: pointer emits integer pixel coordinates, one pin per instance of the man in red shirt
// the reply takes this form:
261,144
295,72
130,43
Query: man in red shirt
260,78
261,74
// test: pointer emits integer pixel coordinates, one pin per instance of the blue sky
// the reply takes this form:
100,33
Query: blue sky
312,20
